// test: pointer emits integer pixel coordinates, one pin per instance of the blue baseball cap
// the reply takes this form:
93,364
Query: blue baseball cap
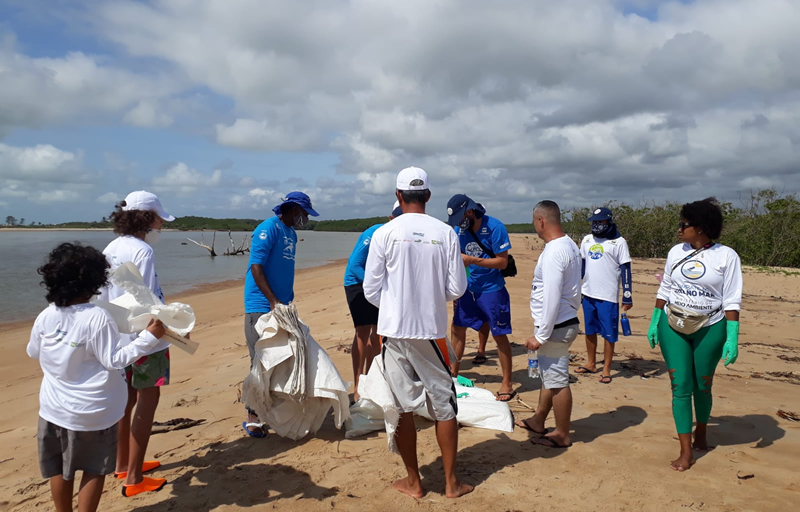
458,205
300,199
600,214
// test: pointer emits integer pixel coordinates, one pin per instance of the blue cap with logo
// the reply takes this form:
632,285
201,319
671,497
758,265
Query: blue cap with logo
600,214
458,205
300,199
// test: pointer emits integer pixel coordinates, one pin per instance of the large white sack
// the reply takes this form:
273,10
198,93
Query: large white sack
293,383
478,409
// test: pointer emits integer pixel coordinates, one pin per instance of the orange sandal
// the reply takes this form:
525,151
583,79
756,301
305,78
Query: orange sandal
146,485
148,465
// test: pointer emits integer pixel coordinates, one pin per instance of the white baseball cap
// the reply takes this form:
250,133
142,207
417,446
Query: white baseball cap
412,178
146,201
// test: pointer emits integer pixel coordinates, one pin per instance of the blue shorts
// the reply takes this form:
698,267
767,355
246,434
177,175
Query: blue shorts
474,309
601,317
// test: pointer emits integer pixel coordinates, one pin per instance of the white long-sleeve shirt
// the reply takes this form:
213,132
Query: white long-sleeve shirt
413,270
81,354
709,281
556,287
129,248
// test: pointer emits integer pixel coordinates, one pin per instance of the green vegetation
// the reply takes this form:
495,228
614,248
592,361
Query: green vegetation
351,225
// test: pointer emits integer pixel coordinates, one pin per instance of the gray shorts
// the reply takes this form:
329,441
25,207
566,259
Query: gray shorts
554,357
63,451
418,375
250,334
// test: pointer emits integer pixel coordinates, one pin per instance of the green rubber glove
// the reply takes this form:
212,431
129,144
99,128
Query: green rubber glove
652,332
730,351
465,382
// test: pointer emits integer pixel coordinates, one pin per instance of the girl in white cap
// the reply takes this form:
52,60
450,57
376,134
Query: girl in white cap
138,221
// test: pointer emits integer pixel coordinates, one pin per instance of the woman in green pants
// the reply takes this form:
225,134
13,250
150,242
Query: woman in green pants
696,319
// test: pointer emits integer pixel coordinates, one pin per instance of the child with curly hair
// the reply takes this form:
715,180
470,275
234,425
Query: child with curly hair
83,393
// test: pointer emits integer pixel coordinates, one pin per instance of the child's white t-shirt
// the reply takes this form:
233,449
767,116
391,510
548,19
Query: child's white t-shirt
82,356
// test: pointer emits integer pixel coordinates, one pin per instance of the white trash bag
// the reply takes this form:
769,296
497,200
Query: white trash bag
293,384
133,310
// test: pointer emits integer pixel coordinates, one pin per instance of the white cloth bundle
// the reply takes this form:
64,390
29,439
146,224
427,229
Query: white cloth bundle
376,408
293,383
133,310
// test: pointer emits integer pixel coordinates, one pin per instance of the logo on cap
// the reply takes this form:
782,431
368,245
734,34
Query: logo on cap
449,211
597,211
416,183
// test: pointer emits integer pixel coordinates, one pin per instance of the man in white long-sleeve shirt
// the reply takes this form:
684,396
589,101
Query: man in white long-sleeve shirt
555,298
413,270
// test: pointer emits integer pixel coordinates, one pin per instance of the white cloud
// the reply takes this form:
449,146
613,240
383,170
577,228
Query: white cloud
109,198
182,179
55,196
42,162
262,135
148,114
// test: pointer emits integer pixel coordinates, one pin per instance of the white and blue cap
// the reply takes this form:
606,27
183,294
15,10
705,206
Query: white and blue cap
300,199
600,214
457,207
396,210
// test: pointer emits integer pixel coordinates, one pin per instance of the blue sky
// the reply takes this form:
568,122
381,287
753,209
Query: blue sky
223,107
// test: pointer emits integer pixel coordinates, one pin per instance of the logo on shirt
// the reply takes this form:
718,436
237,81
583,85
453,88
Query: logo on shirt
596,251
484,230
366,241
262,235
60,334
693,269
418,234
473,249
288,249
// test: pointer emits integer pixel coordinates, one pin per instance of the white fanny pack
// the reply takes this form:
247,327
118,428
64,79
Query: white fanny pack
687,321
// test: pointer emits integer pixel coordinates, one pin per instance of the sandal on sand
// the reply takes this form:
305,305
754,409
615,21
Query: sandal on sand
505,397
523,424
146,485
605,379
479,359
148,465
549,442
260,433
582,369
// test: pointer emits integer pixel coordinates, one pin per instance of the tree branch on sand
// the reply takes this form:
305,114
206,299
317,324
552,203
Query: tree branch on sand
240,249
204,246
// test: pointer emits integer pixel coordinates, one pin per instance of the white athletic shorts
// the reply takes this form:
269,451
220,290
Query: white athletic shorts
554,357
418,376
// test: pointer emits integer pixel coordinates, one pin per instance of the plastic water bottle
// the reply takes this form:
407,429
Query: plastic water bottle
626,325
533,364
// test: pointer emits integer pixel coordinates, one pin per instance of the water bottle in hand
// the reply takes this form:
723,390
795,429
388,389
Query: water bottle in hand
533,364
626,324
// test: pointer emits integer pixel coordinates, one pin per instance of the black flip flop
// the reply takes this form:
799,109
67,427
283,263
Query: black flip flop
479,359
585,371
524,425
549,442
509,395
606,379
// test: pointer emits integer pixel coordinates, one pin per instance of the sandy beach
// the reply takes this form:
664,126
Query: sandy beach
624,435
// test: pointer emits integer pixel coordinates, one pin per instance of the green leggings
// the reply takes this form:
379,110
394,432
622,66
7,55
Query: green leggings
691,361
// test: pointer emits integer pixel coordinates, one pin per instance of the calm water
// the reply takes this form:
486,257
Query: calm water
179,267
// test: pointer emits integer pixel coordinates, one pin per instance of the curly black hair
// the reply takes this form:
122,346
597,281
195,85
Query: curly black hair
705,216
73,272
131,222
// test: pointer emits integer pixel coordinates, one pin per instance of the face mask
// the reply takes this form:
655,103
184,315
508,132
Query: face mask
466,223
600,229
152,236
300,220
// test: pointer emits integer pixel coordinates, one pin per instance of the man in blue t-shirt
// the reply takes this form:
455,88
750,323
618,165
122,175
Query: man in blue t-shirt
366,342
270,274
484,246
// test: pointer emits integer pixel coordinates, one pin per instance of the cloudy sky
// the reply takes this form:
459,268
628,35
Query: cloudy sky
223,106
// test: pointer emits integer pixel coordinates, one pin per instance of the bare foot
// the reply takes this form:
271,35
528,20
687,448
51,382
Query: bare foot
682,463
412,489
460,489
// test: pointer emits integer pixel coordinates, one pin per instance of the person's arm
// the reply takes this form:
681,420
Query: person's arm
500,261
145,261
35,342
259,253
360,253
456,284
583,267
500,245
375,270
627,286
732,285
552,281
113,354
260,279
662,296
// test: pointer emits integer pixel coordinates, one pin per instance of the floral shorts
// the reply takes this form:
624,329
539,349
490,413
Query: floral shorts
149,371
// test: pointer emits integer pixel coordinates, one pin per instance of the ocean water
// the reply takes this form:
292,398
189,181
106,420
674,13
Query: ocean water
179,266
